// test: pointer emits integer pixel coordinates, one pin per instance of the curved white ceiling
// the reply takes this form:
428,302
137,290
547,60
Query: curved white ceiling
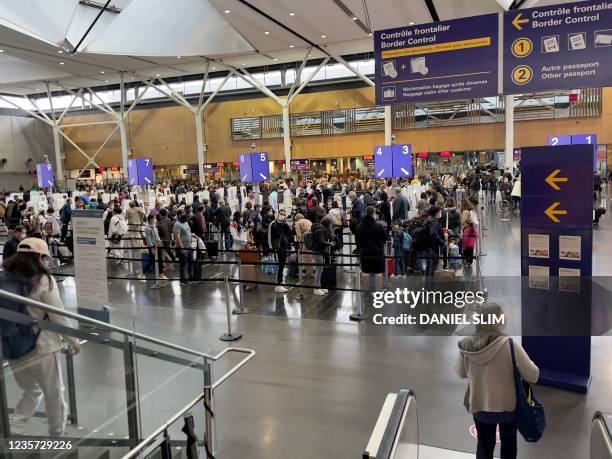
162,28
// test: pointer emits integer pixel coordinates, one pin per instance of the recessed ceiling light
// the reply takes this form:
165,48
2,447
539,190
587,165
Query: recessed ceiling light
354,18
157,74
61,63
266,33
291,46
214,68
323,36
178,57
276,58
38,89
102,72
291,14
370,34
60,51
132,78
411,23
243,64
106,81
227,11
1,50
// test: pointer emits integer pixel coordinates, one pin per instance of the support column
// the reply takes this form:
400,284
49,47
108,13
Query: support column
286,136
59,163
200,145
124,147
509,150
388,125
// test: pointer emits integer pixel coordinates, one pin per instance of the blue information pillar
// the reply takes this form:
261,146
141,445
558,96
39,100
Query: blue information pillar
556,262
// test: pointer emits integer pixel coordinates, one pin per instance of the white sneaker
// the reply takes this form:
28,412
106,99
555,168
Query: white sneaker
281,289
162,277
142,278
325,290
320,292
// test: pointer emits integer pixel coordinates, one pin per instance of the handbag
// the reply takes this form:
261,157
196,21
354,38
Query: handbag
529,412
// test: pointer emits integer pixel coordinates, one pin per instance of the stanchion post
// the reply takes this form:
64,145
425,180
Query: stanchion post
240,309
348,269
300,274
229,336
360,315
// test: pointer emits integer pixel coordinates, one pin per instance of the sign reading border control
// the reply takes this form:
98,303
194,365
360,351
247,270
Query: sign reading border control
454,59
563,46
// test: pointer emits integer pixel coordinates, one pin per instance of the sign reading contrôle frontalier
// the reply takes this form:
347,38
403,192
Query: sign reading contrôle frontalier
563,46
445,60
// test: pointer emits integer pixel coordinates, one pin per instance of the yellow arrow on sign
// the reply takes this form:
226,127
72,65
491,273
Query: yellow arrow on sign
552,179
517,21
552,212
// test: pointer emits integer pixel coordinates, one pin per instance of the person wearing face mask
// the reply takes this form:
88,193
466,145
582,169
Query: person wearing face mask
39,373
267,217
182,237
279,238
10,247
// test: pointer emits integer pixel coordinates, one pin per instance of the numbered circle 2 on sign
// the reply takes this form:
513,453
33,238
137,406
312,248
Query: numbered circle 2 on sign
522,74
522,47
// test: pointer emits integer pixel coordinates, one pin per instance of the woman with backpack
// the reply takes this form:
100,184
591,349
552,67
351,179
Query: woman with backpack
38,372
485,360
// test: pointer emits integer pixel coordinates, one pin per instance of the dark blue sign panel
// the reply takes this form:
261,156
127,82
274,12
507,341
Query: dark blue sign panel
45,176
558,47
246,171
556,262
383,161
145,171
455,59
555,140
402,160
260,167
132,172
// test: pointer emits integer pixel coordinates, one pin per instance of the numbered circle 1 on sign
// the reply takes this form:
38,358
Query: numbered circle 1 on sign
522,47
522,74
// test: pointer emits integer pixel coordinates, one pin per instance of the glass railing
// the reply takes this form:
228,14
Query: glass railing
601,438
396,433
120,387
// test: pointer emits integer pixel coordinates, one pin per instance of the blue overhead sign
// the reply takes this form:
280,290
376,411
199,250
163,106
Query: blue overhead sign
383,161
246,171
555,140
402,160
254,167
581,139
45,176
456,59
558,47
393,161
140,171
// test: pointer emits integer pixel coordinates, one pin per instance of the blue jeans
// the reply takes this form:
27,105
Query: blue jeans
319,260
431,264
399,264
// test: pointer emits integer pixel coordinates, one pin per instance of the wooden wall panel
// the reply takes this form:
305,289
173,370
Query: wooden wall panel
168,134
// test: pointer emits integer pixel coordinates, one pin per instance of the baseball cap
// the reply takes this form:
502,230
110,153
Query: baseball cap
33,245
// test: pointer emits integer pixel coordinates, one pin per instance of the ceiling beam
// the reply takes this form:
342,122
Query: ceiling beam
90,27
432,10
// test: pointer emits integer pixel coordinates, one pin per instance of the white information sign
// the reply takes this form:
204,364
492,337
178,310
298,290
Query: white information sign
90,275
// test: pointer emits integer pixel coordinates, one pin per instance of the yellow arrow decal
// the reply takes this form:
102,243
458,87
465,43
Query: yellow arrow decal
517,21
552,179
552,212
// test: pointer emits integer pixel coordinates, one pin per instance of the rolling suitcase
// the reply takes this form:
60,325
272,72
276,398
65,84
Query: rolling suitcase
328,278
212,249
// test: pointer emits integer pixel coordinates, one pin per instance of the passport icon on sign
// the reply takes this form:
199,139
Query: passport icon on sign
418,65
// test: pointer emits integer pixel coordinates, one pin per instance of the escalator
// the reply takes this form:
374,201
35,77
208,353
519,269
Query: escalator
396,433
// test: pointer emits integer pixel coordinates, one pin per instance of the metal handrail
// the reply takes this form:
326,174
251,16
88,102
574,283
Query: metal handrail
103,325
175,417
602,422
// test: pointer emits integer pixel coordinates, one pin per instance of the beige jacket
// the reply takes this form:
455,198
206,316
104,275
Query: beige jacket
487,364
48,341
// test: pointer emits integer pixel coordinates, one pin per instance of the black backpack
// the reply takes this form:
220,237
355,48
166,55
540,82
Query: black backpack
420,236
308,241
18,339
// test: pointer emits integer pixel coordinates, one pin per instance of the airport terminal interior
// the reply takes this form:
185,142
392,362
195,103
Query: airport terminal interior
292,229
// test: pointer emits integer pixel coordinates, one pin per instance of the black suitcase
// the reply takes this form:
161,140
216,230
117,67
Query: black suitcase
212,249
329,279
